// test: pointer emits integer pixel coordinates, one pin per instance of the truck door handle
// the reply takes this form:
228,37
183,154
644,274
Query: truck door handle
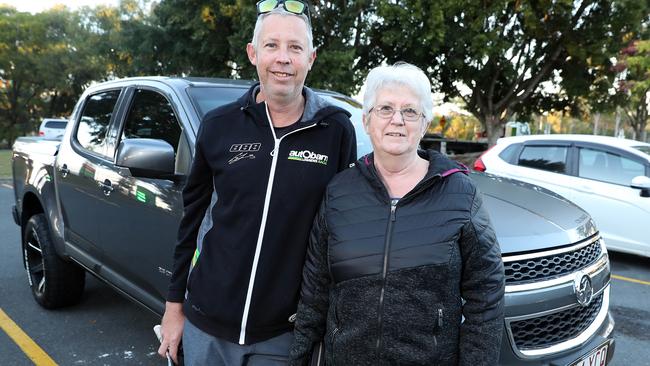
106,186
64,170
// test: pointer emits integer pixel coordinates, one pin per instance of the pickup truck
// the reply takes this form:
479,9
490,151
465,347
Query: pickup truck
106,200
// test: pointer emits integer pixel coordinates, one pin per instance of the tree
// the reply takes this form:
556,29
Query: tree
209,37
634,85
501,56
44,66
195,35
19,85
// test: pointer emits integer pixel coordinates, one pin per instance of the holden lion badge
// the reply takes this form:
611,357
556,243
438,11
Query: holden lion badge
583,288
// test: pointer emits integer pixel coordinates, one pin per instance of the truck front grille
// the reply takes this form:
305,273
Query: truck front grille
552,266
555,328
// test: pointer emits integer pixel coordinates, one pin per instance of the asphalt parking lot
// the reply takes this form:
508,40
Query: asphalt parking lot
106,329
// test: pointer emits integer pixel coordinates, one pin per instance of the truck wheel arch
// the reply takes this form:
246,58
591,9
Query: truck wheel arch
31,206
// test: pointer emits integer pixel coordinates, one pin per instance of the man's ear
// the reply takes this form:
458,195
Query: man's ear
312,58
252,55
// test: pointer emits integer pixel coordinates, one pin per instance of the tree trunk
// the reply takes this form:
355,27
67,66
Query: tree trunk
53,102
493,129
639,131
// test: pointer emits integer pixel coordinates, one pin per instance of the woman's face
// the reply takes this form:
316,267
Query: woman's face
394,136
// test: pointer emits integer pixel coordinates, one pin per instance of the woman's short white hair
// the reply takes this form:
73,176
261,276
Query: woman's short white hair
399,74
281,11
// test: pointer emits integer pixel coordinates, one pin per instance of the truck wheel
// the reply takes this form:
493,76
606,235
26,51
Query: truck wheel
54,282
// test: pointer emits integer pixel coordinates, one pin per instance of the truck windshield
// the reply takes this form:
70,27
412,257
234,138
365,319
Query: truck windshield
363,140
206,99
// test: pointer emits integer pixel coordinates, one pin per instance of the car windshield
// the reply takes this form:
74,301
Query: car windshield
643,149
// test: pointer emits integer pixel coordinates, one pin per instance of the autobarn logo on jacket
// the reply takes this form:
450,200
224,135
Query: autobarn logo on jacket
308,156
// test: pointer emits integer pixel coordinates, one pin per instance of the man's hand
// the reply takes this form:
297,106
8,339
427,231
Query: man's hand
172,330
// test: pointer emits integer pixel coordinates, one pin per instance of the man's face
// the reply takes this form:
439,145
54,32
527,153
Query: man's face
282,57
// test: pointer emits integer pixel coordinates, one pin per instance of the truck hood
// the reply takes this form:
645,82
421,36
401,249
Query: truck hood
527,217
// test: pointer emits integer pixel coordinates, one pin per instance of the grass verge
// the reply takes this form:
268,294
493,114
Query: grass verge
5,164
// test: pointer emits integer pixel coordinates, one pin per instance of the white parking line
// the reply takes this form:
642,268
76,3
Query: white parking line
7,185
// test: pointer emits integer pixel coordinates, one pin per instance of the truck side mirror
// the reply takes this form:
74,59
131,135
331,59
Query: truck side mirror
643,183
147,158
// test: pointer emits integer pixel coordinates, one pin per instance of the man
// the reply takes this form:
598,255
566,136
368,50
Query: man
260,168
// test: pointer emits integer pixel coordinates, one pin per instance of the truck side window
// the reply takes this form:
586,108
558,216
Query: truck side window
152,116
93,124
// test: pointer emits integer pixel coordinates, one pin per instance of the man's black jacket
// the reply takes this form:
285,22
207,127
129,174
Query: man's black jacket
249,203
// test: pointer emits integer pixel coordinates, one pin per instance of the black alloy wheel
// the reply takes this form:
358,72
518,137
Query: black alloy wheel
35,266
55,282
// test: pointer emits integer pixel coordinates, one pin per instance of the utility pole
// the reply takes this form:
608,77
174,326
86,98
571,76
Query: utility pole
618,122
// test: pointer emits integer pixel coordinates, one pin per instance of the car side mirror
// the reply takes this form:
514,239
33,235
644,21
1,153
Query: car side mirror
643,183
147,158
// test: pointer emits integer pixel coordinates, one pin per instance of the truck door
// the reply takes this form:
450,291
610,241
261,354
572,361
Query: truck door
140,218
79,160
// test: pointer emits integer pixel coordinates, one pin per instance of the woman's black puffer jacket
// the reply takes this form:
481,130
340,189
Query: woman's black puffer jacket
389,284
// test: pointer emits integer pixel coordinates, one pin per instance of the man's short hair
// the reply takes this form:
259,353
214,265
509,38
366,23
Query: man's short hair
281,11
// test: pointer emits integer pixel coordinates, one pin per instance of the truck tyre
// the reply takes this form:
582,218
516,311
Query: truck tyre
54,281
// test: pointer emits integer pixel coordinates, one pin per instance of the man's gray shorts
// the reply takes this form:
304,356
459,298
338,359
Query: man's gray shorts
202,349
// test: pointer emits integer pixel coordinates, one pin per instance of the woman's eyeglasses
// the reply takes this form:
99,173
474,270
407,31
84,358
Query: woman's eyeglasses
386,112
292,6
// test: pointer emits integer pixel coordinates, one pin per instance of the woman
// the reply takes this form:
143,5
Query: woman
403,267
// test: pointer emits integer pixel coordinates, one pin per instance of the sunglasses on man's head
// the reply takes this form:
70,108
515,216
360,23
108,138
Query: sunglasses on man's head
292,6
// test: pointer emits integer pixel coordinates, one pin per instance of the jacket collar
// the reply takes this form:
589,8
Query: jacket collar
316,108
440,166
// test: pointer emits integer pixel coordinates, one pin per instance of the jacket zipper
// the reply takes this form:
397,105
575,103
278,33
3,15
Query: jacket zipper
389,233
387,242
265,211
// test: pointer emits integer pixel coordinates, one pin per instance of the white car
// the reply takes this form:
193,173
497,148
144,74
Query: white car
608,177
52,128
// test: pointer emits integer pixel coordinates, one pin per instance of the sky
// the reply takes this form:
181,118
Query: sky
36,6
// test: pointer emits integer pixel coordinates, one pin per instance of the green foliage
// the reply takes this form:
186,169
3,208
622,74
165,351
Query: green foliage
43,67
5,164
498,56
209,37
634,85
196,35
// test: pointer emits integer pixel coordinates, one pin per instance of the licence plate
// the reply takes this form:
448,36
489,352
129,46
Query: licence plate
597,357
